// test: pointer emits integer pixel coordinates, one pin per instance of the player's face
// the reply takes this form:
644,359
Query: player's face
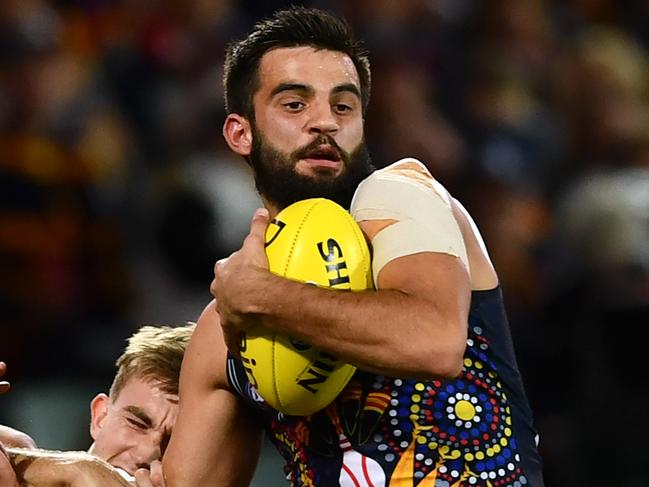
308,128
134,430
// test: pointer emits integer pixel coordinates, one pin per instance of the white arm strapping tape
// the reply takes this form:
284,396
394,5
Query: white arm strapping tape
425,221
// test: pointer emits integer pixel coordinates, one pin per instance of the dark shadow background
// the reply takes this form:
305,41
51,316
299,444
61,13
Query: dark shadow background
117,192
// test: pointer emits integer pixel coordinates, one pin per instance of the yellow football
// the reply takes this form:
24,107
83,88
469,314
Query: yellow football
318,242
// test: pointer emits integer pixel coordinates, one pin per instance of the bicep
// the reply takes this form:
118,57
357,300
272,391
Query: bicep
423,274
436,278
437,283
214,442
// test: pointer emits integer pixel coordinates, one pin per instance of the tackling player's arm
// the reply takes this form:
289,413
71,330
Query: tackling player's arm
45,468
13,438
215,441
414,325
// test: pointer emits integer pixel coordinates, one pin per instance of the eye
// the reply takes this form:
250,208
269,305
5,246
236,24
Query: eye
294,106
136,423
342,108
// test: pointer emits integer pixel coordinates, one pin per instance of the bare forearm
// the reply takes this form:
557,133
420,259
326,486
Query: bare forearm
208,451
13,438
414,325
387,331
215,441
43,468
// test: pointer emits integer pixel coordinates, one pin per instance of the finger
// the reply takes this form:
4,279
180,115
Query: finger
213,288
4,385
143,478
232,340
218,268
157,479
214,285
219,263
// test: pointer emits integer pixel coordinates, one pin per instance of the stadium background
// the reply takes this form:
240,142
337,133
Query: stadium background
117,192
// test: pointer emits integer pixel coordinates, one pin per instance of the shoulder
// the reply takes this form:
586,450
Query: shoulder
404,185
405,211
408,174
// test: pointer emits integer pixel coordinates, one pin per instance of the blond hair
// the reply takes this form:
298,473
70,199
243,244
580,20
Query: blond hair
153,353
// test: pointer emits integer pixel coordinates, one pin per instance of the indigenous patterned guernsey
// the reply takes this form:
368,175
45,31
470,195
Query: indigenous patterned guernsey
383,431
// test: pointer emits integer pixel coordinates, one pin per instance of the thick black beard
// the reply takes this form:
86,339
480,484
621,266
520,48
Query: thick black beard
278,182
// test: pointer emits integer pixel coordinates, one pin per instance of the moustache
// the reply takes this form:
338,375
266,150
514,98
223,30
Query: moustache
333,151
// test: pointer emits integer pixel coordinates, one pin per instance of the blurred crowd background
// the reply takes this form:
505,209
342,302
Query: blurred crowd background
117,192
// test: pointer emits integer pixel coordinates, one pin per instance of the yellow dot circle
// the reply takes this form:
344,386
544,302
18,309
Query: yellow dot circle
416,398
508,420
503,441
419,386
497,448
478,365
421,440
508,432
490,452
414,408
432,445
479,455
464,410
469,457
468,362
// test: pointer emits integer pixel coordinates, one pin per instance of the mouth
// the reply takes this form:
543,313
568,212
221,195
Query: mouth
323,157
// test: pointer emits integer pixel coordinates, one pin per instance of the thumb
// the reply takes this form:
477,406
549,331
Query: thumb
259,223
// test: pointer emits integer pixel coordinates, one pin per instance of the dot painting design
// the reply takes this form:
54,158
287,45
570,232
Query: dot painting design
470,438
434,433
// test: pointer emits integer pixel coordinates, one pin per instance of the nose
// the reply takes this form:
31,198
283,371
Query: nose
146,451
323,120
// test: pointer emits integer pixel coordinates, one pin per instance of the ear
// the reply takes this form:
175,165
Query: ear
98,413
238,134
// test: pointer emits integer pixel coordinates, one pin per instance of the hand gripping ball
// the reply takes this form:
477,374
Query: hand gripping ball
315,241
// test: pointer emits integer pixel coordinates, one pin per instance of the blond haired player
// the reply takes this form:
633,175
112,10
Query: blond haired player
437,398
130,426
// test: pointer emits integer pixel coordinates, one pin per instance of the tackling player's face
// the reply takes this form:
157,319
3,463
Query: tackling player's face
308,128
134,429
